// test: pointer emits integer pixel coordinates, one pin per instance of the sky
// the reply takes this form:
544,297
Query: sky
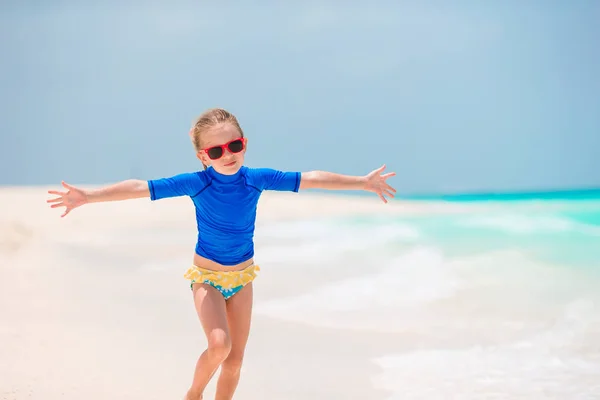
454,96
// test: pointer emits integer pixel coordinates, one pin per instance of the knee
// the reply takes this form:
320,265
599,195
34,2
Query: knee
219,345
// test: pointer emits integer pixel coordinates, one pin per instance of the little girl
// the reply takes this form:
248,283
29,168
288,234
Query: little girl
225,196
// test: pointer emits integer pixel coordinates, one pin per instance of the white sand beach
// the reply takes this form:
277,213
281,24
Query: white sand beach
94,306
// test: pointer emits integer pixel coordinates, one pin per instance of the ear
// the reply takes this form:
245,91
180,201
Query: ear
245,144
203,158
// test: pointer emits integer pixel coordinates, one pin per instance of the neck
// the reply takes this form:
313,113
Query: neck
224,177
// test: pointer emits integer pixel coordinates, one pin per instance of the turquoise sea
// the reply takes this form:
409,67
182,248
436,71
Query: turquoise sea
556,227
498,300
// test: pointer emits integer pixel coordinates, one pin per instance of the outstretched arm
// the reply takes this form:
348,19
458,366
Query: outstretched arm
372,182
75,197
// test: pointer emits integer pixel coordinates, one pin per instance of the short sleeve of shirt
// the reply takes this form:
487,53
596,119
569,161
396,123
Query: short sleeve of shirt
186,184
272,179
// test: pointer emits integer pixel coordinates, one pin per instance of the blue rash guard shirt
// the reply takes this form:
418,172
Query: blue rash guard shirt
225,206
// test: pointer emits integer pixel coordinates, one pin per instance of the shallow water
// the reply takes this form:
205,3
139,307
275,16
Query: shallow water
501,302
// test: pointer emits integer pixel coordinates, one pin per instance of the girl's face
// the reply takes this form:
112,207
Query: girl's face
223,148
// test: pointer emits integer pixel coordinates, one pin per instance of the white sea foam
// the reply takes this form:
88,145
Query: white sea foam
322,241
528,224
562,362
336,231
491,325
417,277
423,289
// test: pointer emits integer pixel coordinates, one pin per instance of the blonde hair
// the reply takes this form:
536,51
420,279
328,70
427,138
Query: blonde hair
209,119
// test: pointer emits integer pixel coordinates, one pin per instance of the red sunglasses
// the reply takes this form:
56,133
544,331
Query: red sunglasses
234,146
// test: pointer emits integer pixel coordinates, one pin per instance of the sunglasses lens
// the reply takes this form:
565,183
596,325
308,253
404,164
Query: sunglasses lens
214,153
236,146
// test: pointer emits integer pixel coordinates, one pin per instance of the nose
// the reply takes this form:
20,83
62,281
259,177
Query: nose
227,156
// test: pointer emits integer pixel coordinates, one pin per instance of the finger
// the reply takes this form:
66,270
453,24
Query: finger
381,197
68,210
389,193
58,205
66,185
388,175
54,200
381,168
57,192
388,187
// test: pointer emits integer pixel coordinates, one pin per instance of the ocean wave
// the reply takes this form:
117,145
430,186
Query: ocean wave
524,224
319,241
417,277
333,229
561,361
423,288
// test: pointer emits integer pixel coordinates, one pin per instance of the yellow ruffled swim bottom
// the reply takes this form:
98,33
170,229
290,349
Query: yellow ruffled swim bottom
226,282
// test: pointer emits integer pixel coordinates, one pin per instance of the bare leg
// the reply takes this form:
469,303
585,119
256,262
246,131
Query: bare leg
210,306
239,312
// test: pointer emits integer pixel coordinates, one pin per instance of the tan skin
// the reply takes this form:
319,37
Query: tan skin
226,324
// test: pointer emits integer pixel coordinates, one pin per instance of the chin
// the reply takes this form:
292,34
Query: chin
230,169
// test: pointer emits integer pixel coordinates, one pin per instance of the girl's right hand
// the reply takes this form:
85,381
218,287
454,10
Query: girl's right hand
70,199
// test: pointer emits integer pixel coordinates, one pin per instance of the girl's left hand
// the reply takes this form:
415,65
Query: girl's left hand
375,182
